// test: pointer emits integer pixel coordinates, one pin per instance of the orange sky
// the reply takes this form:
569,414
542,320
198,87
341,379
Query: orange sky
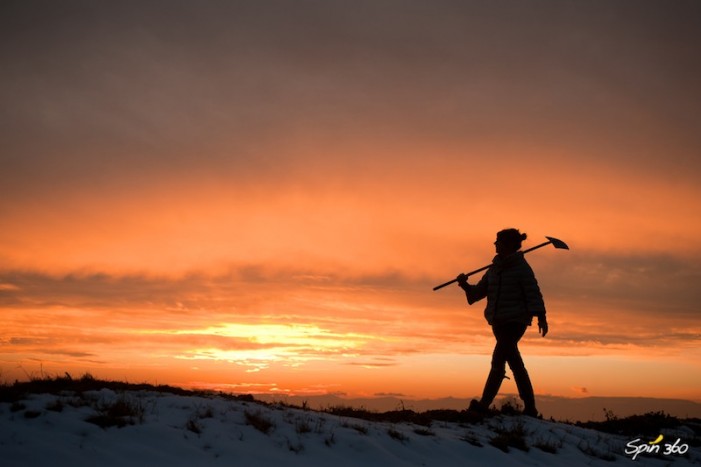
248,197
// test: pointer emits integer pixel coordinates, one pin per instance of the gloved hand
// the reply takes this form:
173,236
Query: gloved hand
542,325
462,281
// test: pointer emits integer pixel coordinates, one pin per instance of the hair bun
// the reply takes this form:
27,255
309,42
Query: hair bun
511,237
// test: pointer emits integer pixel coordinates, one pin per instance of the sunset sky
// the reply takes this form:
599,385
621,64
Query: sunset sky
259,196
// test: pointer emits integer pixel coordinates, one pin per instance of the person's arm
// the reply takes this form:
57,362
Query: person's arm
474,293
534,300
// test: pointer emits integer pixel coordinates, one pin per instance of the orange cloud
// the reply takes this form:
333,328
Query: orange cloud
265,329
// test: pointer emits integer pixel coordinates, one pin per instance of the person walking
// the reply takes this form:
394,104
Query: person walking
513,299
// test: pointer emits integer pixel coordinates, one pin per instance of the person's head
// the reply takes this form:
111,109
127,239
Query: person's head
509,241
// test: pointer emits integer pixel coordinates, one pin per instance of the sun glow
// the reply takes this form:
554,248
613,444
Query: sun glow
304,335
290,345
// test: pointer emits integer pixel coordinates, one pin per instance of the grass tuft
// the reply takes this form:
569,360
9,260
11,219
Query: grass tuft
123,411
258,421
397,435
514,436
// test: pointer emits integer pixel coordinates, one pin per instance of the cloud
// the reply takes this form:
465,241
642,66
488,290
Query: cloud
644,283
587,310
372,364
389,394
247,90
47,348
183,293
232,317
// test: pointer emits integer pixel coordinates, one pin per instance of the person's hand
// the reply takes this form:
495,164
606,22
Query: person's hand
542,325
462,280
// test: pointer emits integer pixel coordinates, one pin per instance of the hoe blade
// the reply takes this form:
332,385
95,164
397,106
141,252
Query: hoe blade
557,243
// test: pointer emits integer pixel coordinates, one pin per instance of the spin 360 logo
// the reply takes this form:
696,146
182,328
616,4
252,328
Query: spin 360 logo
636,447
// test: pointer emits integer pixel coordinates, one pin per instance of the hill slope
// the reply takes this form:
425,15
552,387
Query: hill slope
116,425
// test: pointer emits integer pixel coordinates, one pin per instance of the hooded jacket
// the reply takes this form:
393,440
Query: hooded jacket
513,295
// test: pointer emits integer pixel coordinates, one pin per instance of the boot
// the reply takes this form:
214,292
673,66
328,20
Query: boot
531,411
525,391
478,407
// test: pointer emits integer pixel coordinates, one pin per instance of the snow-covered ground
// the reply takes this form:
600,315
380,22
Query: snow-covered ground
200,430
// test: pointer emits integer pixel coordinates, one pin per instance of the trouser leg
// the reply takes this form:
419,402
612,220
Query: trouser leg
506,351
497,371
491,387
523,383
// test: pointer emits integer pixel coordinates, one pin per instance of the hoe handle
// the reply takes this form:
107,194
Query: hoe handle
466,275
556,243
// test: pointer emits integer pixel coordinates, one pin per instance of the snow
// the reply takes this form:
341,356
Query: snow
208,430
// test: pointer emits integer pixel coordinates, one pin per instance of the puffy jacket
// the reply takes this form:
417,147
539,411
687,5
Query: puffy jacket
512,292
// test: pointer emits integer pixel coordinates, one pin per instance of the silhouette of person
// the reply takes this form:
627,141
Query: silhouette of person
513,299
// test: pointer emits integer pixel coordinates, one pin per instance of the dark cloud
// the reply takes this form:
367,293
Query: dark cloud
611,336
654,283
96,91
389,394
50,346
372,364
182,294
649,285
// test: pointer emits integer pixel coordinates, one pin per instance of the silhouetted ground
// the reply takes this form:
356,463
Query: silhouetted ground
64,421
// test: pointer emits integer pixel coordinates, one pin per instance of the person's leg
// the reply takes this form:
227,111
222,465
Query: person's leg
498,369
513,357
